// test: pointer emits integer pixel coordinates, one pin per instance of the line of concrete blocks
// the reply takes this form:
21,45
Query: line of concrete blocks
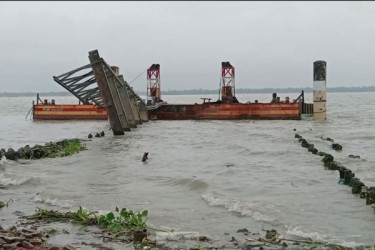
347,177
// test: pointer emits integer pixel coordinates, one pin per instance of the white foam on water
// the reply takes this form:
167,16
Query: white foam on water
53,201
297,231
3,160
6,181
315,236
351,244
252,209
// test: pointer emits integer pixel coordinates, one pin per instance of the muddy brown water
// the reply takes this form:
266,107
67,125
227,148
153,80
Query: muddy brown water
210,177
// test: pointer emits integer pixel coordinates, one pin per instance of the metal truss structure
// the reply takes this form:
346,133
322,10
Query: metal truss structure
82,84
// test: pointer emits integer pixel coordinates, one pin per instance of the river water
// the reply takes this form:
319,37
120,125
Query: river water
211,177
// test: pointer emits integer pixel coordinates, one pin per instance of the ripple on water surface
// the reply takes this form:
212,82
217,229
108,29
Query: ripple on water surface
207,176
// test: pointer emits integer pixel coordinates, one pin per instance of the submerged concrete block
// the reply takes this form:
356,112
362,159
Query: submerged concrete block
370,197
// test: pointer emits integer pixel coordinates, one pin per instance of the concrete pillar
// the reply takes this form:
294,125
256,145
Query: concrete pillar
117,99
101,79
126,102
115,70
143,112
319,90
132,103
135,109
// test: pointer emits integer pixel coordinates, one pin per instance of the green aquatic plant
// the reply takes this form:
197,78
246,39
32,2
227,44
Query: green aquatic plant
119,222
3,204
63,148
80,217
72,146
124,220
50,231
84,217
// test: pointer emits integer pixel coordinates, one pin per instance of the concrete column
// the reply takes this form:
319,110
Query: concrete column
101,79
319,90
117,99
143,112
135,109
132,102
115,70
126,102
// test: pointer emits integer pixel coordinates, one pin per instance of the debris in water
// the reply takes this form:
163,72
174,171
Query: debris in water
336,146
271,234
243,230
144,158
327,139
354,156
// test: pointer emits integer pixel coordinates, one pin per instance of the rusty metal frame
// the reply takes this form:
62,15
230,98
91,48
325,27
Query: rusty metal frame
82,84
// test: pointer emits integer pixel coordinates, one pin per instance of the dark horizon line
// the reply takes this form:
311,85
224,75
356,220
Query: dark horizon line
208,91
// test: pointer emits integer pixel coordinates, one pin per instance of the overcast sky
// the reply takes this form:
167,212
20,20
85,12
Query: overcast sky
271,44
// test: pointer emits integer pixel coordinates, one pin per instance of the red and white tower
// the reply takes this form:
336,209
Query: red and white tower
153,83
227,83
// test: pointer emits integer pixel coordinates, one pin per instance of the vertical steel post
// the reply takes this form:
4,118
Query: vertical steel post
319,90
228,93
153,83
97,67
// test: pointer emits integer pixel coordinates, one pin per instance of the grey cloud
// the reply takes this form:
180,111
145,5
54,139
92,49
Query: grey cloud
271,44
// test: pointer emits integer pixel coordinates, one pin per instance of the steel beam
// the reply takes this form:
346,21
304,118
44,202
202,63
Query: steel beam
81,83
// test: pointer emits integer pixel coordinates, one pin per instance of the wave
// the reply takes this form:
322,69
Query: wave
297,231
3,160
7,181
53,201
257,211
315,236
192,183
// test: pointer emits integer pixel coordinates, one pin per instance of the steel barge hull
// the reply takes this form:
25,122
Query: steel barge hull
227,111
68,112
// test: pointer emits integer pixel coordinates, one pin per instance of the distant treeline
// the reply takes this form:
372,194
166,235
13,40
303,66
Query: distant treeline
268,90
18,94
208,91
